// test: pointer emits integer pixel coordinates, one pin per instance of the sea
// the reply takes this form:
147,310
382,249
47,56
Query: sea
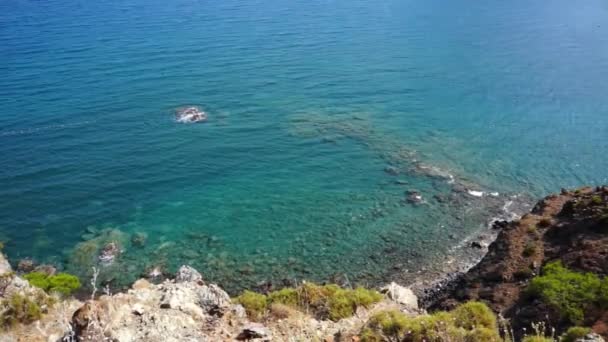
355,141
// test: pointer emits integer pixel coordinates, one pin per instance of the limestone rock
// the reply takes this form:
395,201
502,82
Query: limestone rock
401,295
593,337
213,299
187,273
5,267
46,269
25,265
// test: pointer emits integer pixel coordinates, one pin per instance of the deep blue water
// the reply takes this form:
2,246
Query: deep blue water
308,103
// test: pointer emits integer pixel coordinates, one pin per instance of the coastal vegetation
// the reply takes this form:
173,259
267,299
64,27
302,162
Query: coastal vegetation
19,309
62,283
472,321
570,293
323,301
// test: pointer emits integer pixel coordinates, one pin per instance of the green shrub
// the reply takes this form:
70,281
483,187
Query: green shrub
570,293
18,309
474,314
596,200
529,250
471,322
287,296
62,283
255,304
324,301
574,333
38,279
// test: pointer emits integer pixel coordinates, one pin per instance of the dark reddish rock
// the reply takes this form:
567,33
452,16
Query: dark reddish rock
568,227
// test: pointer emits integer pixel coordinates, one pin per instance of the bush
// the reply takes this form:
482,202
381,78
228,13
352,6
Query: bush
62,283
287,296
471,322
18,309
574,333
568,292
596,200
254,303
324,301
474,314
529,250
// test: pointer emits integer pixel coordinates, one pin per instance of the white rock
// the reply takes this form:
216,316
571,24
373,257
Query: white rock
187,273
213,299
5,267
593,337
401,295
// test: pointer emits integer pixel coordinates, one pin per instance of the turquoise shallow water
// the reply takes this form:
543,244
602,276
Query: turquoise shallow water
309,102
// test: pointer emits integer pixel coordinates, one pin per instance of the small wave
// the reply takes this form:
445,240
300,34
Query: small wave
41,129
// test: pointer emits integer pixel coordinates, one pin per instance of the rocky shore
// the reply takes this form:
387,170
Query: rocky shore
185,308
570,227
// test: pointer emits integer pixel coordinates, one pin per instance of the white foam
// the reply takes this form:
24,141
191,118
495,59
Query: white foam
475,193
190,115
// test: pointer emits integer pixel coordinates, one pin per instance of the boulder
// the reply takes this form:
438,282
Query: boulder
593,337
5,267
187,273
25,265
46,269
213,300
254,331
401,295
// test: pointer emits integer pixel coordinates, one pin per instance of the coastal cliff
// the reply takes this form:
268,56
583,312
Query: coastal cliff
544,274
569,229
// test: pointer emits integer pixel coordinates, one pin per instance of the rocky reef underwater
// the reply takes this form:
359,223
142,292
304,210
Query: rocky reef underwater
407,250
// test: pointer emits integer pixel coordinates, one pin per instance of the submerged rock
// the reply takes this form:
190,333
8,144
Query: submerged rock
391,170
414,197
109,253
139,239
